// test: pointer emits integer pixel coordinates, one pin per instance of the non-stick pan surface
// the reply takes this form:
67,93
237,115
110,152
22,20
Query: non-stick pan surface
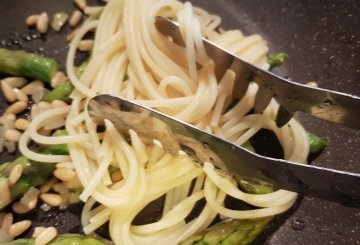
323,41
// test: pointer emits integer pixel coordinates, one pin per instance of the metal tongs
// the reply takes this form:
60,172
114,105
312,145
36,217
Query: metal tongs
330,105
326,183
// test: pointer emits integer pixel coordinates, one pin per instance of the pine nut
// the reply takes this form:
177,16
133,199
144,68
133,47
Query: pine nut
85,45
32,87
20,95
16,108
8,91
30,197
68,165
38,231
64,174
15,82
71,35
74,183
7,222
44,106
50,199
58,79
46,236
116,176
47,185
75,18
31,20
20,208
312,84
15,174
5,196
12,135
81,4
8,120
22,124
45,132
19,227
60,188
58,104
42,23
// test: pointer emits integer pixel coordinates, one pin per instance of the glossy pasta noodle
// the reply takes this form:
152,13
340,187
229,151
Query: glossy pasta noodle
132,59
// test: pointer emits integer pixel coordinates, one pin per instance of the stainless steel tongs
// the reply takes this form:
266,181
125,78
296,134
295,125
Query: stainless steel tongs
330,105
311,180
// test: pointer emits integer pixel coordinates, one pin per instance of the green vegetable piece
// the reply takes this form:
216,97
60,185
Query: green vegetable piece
63,91
65,239
254,186
229,232
316,143
27,64
247,145
277,59
34,173
60,149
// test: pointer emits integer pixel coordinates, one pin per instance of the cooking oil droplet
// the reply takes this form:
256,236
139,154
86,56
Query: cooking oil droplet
297,224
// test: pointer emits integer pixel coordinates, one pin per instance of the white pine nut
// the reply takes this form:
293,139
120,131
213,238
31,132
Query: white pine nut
60,188
58,104
32,87
20,95
16,108
12,135
75,18
15,82
85,45
22,124
74,183
64,174
45,132
5,196
15,174
81,4
116,176
42,23
53,200
20,208
30,198
71,35
312,84
8,91
69,165
7,222
18,228
47,185
46,236
44,106
31,20
8,120
37,231
58,79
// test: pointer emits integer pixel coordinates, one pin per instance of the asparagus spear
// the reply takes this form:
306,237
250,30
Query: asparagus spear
317,144
34,173
27,64
277,59
229,232
63,91
65,239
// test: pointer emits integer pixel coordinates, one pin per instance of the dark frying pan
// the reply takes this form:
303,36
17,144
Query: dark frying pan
323,40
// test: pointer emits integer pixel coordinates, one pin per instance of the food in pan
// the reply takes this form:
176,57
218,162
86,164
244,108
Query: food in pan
118,174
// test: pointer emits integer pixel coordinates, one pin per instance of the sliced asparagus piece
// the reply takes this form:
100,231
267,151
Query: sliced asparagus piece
65,239
27,64
229,232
